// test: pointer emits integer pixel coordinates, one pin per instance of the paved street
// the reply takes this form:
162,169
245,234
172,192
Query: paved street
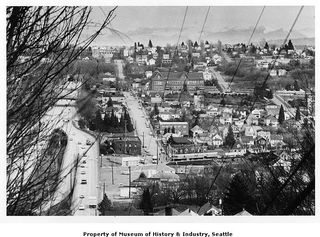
143,129
119,65
63,117
224,85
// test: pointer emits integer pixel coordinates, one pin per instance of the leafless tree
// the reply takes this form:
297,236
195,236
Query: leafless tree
42,44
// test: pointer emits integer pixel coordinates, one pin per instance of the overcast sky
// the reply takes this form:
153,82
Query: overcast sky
162,24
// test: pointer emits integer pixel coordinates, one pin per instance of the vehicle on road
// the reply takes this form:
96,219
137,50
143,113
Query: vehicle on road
93,202
83,172
88,142
81,207
83,181
154,160
125,172
81,196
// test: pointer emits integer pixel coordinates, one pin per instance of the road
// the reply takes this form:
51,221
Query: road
140,118
226,57
279,101
119,64
63,117
223,84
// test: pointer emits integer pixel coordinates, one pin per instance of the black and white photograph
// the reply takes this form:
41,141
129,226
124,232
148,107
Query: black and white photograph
160,111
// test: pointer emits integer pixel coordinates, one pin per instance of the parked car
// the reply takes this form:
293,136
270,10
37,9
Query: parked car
81,207
83,181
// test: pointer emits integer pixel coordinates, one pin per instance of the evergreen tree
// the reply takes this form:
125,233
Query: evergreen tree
146,203
182,44
266,46
122,122
170,140
104,205
281,115
207,42
150,44
196,45
127,118
296,86
110,102
98,121
173,130
114,122
156,109
185,87
290,45
92,125
230,138
129,125
106,122
165,131
237,197
223,102
168,130
298,116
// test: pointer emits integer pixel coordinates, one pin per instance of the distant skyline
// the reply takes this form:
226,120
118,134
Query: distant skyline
230,24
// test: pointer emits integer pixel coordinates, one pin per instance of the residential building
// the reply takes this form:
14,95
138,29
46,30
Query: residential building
179,127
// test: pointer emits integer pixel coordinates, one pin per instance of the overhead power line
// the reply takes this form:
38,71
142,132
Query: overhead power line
250,38
181,29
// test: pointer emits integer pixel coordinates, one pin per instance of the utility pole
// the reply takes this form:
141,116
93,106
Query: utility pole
143,139
112,173
125,136
99,140
129,181
157,153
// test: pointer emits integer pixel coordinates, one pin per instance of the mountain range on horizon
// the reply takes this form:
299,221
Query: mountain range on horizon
163,36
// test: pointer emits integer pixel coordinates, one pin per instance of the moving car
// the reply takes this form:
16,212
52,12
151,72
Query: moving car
81,207
83,181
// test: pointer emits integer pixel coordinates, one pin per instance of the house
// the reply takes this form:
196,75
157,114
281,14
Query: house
276,140
207,75
271,120
247,140
166,58
284,161
208,209
197,130
151,62
243,213
180,127
265,134
148,74
252,131
216,140
238,122
226,118
196,55
282,72
261,141
256,113
273,72
130,59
